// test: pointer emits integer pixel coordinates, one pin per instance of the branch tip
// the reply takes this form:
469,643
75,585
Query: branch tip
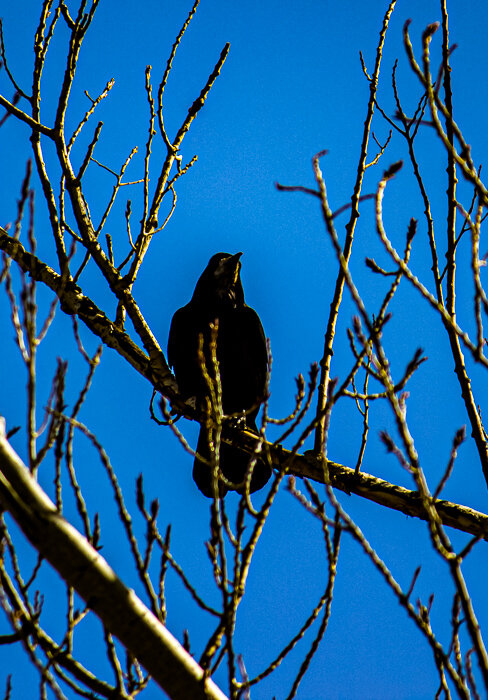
392,170
430,30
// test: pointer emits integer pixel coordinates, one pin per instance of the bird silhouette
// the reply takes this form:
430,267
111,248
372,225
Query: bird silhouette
242,358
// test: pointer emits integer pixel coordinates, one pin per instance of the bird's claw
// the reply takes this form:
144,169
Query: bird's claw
238,422
192,402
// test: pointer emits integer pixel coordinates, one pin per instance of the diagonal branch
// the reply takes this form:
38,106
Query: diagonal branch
36,126
82,567
192,113
365,485
74,303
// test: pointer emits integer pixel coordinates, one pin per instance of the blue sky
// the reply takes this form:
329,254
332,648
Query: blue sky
292,85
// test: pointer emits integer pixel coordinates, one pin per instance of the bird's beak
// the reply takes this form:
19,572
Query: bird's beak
233,265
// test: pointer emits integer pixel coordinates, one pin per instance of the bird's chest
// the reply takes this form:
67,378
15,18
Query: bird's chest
229,333
235,364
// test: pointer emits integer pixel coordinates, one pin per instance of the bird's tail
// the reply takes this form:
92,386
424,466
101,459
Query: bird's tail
233,464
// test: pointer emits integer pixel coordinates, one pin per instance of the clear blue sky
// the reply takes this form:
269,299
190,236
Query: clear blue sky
292,85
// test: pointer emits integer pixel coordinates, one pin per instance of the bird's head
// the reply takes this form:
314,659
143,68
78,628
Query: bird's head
220,282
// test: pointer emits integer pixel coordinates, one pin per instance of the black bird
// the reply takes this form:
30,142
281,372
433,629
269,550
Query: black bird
242,359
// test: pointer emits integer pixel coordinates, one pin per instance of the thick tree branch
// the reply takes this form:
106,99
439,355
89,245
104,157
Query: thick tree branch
82,567
368,486
74,302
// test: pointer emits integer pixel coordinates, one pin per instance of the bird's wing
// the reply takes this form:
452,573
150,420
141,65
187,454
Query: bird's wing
256,347
182,344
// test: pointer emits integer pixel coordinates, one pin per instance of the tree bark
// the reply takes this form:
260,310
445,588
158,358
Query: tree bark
82,567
